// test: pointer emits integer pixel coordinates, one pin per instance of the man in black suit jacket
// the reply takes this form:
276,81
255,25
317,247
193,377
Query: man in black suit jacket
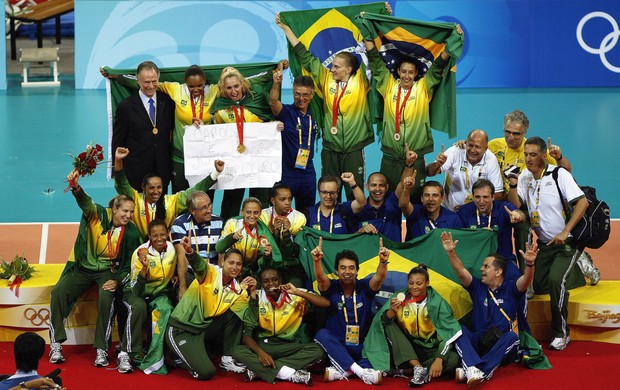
147,138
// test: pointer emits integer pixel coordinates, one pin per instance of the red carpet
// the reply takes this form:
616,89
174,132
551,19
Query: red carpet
583,365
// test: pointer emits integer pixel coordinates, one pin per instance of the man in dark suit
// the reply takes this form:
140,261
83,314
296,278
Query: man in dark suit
144,124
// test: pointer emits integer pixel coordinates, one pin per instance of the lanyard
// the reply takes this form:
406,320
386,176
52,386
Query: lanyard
430,222
510,322
113,252
331,218
467,176
344,309
399,110
202,100
336,106
537,188
196,237
478,218
309,130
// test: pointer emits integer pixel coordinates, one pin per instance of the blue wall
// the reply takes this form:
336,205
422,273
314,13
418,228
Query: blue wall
512,44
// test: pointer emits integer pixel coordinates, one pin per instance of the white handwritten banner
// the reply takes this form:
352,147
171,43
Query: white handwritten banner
259,166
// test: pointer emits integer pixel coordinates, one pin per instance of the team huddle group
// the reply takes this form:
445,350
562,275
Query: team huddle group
233,286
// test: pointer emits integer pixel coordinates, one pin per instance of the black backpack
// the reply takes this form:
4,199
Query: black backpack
593,229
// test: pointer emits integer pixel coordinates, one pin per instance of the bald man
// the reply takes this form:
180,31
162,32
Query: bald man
463,167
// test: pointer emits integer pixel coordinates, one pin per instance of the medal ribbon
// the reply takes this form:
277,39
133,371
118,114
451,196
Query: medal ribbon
202,100
248,230
284,298
411,299
239,117
113,253
399,110
146,212
336,105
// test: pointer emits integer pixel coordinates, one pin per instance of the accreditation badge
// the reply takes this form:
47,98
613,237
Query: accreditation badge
352,336
301,162
535,219
468,198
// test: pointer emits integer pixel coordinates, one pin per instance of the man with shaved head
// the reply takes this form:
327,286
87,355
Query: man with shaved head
463,167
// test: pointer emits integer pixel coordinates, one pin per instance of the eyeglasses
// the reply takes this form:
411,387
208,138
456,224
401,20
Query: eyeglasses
513,133
328,193
204,208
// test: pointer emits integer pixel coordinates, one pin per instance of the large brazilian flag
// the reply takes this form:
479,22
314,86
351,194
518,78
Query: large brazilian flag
124,84
422,41
473,246
325,32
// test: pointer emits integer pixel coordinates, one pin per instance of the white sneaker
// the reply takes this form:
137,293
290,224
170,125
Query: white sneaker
588,269
529,293
459,375
559,343
301,376
124,363
229,364
474,376
420,376
333,374
371,377
101,360
250,376
56,353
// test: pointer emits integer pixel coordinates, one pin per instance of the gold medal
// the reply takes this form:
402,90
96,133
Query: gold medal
243,285
241,148
333,130
400,297
396,137
155,131
264,241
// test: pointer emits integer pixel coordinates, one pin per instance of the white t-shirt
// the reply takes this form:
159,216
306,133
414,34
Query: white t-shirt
542,198
461,175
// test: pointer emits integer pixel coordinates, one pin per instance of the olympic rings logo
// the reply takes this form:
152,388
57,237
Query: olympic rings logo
37,317
608,42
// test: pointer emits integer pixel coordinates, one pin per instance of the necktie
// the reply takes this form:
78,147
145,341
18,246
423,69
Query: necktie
152,110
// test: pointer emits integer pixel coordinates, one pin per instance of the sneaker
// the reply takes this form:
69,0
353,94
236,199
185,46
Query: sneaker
420,376
559,343
529,293
229,364
371,376
588,269
102,358
250,376
395,372
474,376
56,353
333,374
301,376
460,376
124,365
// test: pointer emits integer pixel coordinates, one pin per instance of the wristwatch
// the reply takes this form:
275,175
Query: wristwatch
23,385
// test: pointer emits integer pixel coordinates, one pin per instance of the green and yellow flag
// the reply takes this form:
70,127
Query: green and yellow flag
424,41
124,84
325,32
474,245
